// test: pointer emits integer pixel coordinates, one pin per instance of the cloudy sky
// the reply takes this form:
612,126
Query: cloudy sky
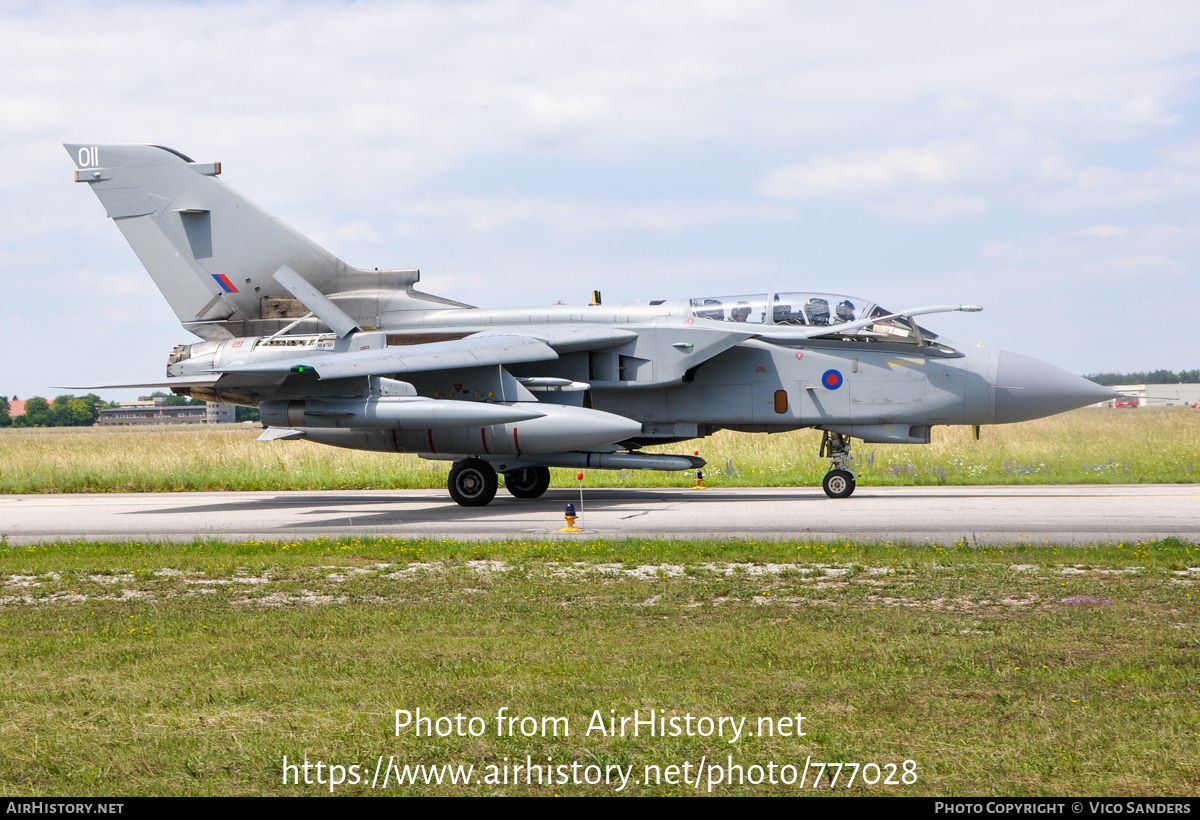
1041,159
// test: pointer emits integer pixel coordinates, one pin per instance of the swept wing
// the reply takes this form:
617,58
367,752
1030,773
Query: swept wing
473,351
162,384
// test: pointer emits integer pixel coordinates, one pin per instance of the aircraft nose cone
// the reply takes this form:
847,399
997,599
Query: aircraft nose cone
1030,389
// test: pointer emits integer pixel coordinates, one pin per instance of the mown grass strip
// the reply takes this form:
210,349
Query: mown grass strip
1168,553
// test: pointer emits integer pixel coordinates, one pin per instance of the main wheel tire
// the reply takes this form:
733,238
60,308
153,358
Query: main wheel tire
838,484
472,482
530,482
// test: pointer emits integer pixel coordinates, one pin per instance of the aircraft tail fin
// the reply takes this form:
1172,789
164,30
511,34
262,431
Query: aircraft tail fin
213,254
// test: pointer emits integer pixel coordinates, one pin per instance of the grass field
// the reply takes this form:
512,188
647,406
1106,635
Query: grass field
194,669
1086,446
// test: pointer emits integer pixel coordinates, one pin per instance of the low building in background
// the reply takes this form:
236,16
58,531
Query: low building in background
153,413
220,413
1157,395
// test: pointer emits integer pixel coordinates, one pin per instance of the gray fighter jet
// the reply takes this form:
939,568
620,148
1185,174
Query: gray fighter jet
361,359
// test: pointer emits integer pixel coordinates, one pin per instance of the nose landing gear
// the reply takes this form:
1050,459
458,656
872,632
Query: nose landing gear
839,481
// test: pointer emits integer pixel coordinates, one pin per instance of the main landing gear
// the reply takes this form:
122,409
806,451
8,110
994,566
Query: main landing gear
473,482
529,482
839,481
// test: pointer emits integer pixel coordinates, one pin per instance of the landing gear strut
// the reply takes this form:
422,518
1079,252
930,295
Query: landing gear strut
839,481
472,482
529,482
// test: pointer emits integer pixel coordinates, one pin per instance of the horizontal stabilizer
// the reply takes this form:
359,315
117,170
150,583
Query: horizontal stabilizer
314,300
281,434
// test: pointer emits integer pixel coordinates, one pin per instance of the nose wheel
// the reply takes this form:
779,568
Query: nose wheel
839,481
472,482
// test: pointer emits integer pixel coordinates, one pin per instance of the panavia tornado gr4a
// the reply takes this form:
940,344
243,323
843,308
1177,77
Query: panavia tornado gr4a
361,359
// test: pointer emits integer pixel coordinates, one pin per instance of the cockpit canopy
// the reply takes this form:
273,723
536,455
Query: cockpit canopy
811,310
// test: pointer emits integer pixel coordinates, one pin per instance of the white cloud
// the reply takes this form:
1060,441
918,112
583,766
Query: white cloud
489,214
358,231
997,248
109,285
1129,256
1067,189
930,210
1147,110
1104,230
418,86
1147,262
938,162
912,185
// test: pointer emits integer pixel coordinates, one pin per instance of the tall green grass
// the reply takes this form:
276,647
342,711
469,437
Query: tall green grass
1085,446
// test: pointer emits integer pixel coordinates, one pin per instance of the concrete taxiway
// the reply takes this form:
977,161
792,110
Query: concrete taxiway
983,515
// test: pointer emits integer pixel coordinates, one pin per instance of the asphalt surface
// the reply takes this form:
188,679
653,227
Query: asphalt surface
984,515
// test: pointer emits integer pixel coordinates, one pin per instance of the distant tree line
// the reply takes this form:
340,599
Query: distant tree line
64,411
1151,377
83,411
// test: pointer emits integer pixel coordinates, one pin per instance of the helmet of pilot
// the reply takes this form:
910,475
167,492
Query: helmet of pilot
740,312
845,310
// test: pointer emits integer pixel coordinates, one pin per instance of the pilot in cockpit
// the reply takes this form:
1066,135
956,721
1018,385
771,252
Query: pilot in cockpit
818,311
845,311
740,312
